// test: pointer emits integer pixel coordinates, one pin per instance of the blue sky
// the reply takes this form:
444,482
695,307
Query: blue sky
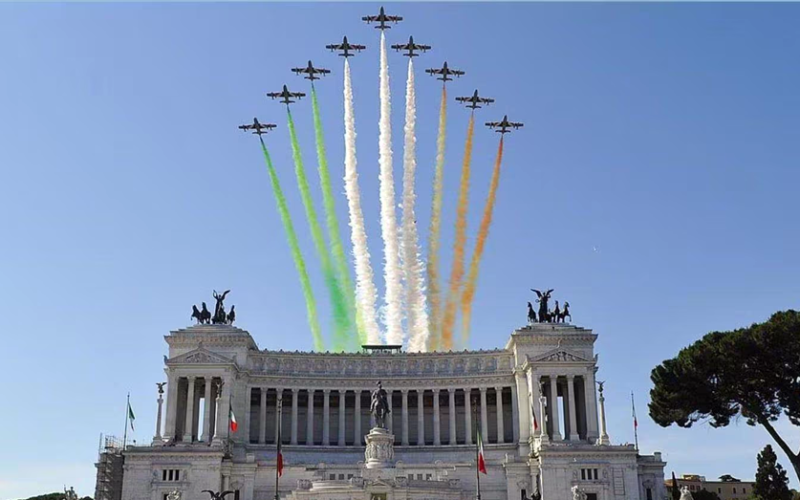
653,186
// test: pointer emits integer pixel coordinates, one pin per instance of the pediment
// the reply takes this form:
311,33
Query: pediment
558,354
201,355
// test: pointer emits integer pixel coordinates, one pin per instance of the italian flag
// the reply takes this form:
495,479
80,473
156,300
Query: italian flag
535,422
481,459
131,416
232,417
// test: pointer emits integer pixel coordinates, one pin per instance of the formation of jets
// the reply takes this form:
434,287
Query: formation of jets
382,19
346,47
475,100
410,47
286,96
504,126
444,72
310,70
258,127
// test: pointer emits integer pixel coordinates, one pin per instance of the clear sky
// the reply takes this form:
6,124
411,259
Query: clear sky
654,186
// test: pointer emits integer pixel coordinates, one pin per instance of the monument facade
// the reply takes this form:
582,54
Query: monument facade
535,401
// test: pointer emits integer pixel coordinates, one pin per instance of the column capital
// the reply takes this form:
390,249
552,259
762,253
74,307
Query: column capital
570,377
498,388
483,390
326,391
451,390
191,378
404,391
436,391
295,390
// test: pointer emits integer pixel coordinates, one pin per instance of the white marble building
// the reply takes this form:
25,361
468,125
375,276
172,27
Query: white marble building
325,399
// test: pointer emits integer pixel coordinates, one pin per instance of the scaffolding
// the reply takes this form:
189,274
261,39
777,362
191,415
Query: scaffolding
109,469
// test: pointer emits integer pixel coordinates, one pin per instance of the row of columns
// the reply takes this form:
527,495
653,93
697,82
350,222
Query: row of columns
404,437
547,404
183,407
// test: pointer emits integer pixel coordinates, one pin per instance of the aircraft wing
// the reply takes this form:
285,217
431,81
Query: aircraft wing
298,70
393,19
369,19
357,47
459,99
324,71
434,71
335,46
273,94
423,47
245,127
492,124
456,72
516,125
486,100
297,94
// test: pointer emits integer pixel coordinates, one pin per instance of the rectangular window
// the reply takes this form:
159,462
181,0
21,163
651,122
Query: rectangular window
595,474
734,490
164,475
583,474
341,477
332,477
177,474
349,476
649,494
428,477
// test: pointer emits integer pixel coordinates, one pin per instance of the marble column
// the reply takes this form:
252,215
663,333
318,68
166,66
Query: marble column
591,405
262,420
468,416
172,406
523,407
358,438
515,425
390,417
553,404
187,429
310,419
295,392
326,417
278,408
207,404
437,427
160,401
420,418
573,421
603,434
532,406
248,393
404,393
500,424
341,418
484,417
451,412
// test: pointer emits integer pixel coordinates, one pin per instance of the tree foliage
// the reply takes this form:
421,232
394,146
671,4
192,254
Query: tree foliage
704,495
753,372
771,480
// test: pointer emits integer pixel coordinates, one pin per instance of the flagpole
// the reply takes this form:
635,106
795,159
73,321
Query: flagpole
477,446
278,447
125,433
635,424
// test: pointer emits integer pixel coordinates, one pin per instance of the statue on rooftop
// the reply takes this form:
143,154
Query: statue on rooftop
379,407
544,313
531,314
220,318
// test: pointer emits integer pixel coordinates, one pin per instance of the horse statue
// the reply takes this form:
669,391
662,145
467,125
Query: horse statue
563,315
197,315
379,407
232,315
531,314
556,313
544,314
205,315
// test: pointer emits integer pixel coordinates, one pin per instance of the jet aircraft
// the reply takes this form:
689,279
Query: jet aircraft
345,47
258,127
382,18
311,71
445,72
475,100
286,96
411,47
504,126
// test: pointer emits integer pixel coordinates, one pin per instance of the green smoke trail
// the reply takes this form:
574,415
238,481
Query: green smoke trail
337,249
294,246
338,303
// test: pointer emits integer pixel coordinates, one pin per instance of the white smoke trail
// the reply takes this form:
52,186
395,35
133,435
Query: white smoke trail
416,308
366,295
392,274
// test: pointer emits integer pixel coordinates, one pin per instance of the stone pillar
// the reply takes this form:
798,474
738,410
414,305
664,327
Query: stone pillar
484,417
603,434
451,410
262,420
172,406
358,437
437,427
404,392
160,401
543,412
187,429
522,407
198,393
310,419
326,417
553,403
573,421
500,424
248,397
390,417
591,405
223,409
295,392
420,418
278,408
467,416
341,417
207,406
533,407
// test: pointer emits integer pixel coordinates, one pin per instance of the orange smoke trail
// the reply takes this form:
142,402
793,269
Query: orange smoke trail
480,244
434,288
457,273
